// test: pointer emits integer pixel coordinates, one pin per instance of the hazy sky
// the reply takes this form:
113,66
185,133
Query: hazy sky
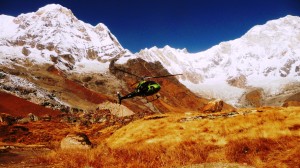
193,24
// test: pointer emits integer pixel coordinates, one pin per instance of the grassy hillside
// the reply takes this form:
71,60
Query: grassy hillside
264,137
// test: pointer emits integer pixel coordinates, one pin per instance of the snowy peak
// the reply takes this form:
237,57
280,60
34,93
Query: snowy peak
267,57
52,15
284,25
285,29
53,31
166,48
59,21
54,8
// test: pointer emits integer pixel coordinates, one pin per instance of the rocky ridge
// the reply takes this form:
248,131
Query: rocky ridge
266,58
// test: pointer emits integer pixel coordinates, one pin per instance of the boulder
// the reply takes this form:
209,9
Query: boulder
40,46
214,106
76,141
46,117
33,117
8,119
25,51
30,117
24,120
115,109
254,98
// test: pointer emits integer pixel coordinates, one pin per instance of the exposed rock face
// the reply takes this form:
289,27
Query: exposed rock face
76,141
293,100
214,106
254,98
239,81
116,109
25,51
291,103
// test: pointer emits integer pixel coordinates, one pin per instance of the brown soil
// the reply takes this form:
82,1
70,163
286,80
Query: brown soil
16,106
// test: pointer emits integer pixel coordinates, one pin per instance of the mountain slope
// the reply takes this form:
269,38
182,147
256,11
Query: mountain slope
19,107
266,57
51,58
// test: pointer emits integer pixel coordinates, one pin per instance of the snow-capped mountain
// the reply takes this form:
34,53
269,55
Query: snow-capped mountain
52,59
46,54
53,34
266,57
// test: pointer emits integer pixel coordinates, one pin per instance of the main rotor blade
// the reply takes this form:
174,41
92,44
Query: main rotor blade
163,76
128,73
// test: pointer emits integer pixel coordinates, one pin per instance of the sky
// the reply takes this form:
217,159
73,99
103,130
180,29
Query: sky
196,25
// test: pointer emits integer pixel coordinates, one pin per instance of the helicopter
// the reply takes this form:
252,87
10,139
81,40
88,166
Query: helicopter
144,88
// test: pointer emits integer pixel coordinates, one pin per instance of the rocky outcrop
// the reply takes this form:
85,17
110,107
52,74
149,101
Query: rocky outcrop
293,100
214,106
6,118
30,118
115,109
291,103
25,51
254,98
76,141
239,81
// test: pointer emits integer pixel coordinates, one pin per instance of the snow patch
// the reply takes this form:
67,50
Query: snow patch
90,66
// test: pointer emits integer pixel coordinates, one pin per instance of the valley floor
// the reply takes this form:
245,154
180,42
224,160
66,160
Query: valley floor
263,137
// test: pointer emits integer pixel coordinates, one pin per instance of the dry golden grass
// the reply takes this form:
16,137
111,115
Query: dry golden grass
269,138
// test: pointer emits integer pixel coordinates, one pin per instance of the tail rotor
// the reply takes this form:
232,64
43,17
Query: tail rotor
119,97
